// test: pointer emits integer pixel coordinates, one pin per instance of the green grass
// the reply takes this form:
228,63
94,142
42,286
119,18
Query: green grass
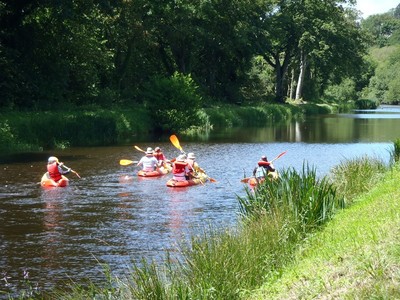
356,256
23,131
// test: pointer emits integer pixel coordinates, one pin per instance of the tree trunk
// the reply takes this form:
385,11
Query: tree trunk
292,87
300,81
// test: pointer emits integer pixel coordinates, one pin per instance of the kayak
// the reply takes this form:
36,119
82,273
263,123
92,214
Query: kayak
155,173
253,181
185,183
46,181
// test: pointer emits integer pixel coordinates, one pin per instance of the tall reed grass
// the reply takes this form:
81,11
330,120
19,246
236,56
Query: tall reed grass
20,131
396,151
356,176
308,200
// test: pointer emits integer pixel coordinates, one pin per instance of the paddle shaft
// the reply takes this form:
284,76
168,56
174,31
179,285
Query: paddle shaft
76,173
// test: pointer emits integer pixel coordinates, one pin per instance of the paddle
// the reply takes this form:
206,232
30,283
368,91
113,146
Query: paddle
245,180
76,173
127,162
137,148
174,140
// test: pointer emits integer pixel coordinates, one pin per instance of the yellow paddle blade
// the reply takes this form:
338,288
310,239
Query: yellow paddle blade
126,162
137,148
174,140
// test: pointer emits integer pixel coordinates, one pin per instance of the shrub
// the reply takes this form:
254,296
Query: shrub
173,102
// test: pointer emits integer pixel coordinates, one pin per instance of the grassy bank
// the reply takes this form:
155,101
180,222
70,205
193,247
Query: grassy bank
356,256
35,131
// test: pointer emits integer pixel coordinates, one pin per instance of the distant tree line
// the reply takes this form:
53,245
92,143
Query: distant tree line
59,53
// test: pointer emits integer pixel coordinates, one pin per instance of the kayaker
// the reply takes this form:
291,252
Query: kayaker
149,162
159,155
55,170
180,168
193,165
263,168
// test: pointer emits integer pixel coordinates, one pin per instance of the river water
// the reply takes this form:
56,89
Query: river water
112,217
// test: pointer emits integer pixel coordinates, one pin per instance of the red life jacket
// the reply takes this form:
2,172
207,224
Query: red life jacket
159,155
263,163
54,172
179,167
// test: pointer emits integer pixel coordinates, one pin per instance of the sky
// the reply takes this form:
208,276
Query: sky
371,7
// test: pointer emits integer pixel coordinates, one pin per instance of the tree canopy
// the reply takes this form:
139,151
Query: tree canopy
83,52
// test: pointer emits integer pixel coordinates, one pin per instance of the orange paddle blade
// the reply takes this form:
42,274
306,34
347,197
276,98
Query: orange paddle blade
245,180
174,140
283,153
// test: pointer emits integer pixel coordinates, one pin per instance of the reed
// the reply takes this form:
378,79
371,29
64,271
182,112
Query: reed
231,116
356,176
395,154
22,131
309,200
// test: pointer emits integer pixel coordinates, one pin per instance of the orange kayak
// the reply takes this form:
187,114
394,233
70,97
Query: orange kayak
46,181
159,172
253,182
202,178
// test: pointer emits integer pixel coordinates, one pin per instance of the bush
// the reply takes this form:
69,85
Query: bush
365,104
173,102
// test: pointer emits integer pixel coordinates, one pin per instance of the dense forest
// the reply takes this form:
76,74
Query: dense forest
61,54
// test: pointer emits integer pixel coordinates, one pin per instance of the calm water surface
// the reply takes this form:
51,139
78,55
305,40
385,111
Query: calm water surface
111,216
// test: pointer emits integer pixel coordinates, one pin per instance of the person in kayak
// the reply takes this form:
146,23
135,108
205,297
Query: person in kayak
148,162
159,155
55,170
180,168
194,167
263,168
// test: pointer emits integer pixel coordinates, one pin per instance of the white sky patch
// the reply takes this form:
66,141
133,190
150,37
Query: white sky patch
372,7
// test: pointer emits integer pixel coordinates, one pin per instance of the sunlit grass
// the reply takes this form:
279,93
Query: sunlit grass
355,257
356,176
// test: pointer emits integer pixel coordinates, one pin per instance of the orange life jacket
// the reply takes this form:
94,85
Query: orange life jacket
53,171
263,163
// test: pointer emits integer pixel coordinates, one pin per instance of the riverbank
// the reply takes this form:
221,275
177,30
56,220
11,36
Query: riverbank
354,257
37,131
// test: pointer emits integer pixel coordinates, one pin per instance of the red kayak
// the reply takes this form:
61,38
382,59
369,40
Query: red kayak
185,183
46,181
156,173
253,182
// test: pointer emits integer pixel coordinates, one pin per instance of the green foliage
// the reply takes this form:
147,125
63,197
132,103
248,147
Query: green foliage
365,104
340,93
231,116
381,27
384,86
173,102
49,130
356,176
396,150
308,200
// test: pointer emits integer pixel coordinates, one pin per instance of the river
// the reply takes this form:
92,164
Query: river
113,217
